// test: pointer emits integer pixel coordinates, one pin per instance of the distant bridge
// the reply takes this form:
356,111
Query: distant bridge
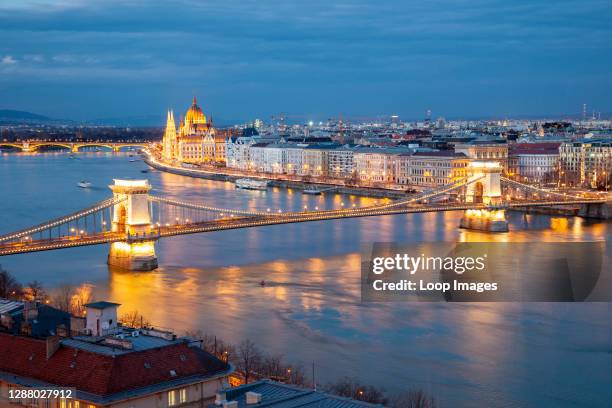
132,220
74,147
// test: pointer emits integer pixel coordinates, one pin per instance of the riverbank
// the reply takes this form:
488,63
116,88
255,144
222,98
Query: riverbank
297,185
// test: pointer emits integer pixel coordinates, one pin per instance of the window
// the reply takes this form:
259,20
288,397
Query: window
183,395
172,400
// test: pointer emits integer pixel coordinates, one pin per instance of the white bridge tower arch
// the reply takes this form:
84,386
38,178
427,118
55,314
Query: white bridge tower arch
487,188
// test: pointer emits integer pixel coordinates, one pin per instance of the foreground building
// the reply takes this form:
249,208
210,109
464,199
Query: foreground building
196,141
270,394
111,366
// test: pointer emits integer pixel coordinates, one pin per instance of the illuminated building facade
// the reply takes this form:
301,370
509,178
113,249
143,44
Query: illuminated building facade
486,150
430,169
586,162
196,140
375,165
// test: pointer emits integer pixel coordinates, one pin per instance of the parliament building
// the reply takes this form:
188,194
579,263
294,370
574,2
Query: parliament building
196,141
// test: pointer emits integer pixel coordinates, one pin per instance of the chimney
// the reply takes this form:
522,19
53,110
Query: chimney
53,344
30,310
230,404
220,398
253,398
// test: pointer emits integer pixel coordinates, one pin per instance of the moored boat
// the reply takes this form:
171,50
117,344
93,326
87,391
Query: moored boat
250,184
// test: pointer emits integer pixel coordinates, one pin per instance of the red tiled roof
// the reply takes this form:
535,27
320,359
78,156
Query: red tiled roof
102,374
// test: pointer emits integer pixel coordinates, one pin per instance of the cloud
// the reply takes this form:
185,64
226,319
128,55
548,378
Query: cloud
405,53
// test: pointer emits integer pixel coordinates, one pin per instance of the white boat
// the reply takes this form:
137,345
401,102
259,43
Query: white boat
311,191
84,184
250,184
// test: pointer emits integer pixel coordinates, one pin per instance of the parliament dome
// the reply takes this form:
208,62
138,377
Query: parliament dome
194,113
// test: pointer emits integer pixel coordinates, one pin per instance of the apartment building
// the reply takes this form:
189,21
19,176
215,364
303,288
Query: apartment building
586,162
485,150
430,169
375,165
534,162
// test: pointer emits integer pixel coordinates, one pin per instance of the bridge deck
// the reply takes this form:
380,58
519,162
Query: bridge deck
12,248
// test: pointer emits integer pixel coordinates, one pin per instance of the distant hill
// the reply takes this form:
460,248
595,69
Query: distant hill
17,117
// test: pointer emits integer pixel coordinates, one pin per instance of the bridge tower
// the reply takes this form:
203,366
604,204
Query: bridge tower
487,190
26,148
132,216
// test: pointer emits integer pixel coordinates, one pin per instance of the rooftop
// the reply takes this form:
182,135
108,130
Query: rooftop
102,305
100,374
278,395
7,305
441,153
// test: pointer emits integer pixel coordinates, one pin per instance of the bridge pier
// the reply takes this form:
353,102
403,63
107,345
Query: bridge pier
599,211
132,216
484,220
133,256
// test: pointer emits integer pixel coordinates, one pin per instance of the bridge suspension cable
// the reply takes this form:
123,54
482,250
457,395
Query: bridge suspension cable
523,186
61,220
195,206
432,193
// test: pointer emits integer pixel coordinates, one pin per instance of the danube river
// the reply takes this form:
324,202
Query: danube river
466,355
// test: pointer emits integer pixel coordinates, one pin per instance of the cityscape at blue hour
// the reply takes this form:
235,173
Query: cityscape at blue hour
351,204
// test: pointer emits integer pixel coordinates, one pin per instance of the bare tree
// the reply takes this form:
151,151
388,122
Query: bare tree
248,359
35,291
296,375
62,298
272,366
351,388
213,345
72,299
134,319
413,399
9,287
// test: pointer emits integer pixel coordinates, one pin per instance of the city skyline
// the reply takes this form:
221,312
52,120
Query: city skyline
72,60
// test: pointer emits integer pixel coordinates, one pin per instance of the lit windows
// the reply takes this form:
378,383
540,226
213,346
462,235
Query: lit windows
172,398
183,395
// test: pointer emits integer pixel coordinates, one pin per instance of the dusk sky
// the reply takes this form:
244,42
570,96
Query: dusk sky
86,59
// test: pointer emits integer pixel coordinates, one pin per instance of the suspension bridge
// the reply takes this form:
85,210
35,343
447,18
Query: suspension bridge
132,220
30,146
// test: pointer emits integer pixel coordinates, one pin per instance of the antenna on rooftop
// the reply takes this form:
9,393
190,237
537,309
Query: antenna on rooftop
314,382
